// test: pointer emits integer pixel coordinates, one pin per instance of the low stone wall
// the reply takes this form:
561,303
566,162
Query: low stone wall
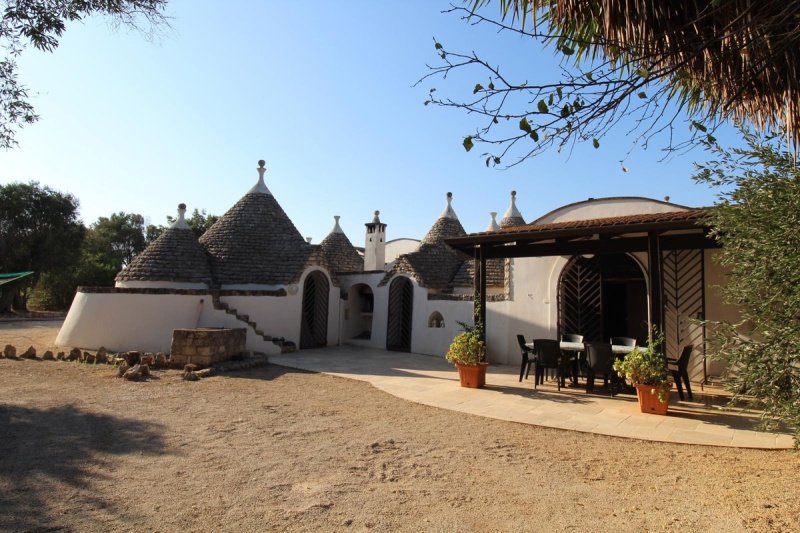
205,346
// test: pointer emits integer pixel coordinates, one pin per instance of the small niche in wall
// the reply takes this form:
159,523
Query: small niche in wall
436,320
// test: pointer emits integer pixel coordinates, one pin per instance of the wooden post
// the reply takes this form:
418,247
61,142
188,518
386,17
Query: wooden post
654,270
479,303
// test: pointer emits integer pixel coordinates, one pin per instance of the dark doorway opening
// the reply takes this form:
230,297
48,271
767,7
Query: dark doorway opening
401,305
602,297
314,320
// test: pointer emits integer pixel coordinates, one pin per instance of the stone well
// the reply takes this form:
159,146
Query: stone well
205,346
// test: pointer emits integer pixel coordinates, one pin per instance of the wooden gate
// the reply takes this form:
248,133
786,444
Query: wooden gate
580,299
684,304
314,321
401,305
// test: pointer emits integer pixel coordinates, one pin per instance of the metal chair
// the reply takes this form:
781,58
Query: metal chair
679,370
527,360
548,355
599,360
623,341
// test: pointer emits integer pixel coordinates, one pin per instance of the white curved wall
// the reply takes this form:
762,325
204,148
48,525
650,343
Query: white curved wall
123,322
397,247
607,207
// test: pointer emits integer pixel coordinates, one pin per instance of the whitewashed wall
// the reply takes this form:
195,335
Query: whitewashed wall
123,322
435,341
352,326
607,207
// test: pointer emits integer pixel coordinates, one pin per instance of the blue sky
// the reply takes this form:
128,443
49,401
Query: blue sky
325,95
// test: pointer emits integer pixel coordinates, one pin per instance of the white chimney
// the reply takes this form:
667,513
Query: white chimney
375,244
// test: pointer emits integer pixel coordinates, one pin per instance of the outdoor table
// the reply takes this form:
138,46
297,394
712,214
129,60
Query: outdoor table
616,349
619,350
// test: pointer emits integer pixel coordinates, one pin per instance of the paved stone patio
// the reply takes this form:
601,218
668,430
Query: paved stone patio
432,381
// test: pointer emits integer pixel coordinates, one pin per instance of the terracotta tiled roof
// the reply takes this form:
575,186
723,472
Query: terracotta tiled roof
670,216
256,243
174,256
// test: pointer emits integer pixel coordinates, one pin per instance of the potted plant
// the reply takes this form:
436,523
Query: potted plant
468,353
646,368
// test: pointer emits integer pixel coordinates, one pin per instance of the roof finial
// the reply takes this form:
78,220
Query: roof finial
376,219
448,210
493,226
181,223
260,187
336,227
512,211
308,240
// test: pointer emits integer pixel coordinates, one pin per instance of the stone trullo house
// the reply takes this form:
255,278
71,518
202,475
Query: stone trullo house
600,267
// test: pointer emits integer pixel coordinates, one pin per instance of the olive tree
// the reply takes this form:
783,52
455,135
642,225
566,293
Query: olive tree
757,221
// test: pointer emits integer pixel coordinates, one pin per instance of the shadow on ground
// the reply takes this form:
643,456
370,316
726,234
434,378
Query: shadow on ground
45,451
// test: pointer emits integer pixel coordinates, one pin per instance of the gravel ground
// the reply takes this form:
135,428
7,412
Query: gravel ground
279,449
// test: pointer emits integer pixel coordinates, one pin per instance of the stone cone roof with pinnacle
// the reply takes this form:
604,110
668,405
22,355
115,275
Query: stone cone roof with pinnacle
512,216
339,252
175,255
433,264
255,242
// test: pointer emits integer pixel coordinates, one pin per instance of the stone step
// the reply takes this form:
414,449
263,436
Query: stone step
243,318
288,347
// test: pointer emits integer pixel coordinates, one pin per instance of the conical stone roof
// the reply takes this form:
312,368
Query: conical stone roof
434,264
512,216
175,255
255,242
339,252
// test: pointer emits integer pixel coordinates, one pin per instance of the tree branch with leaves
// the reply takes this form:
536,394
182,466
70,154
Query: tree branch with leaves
41,23
646,65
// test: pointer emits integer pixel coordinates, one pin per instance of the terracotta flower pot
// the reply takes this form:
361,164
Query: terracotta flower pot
472,376
648,400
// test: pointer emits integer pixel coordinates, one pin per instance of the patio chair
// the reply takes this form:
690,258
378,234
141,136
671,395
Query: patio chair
578,359
527,358
623,341
679,370
599,360
548,355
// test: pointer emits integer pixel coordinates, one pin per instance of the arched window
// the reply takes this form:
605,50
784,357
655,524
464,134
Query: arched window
436,320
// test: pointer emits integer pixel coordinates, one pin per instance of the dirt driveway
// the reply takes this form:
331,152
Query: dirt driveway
278,449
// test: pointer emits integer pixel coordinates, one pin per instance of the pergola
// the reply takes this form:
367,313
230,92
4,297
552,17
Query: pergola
651,233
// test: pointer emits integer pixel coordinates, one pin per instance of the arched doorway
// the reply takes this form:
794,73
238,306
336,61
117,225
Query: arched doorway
603,296
314,319
401,305
359,319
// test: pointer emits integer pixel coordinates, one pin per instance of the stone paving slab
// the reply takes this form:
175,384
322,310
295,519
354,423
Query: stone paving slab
432,381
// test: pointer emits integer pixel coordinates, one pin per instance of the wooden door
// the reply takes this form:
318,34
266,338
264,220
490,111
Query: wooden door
684,306
314,321
580,299
401,305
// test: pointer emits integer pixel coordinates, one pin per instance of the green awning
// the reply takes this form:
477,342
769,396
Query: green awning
13,276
